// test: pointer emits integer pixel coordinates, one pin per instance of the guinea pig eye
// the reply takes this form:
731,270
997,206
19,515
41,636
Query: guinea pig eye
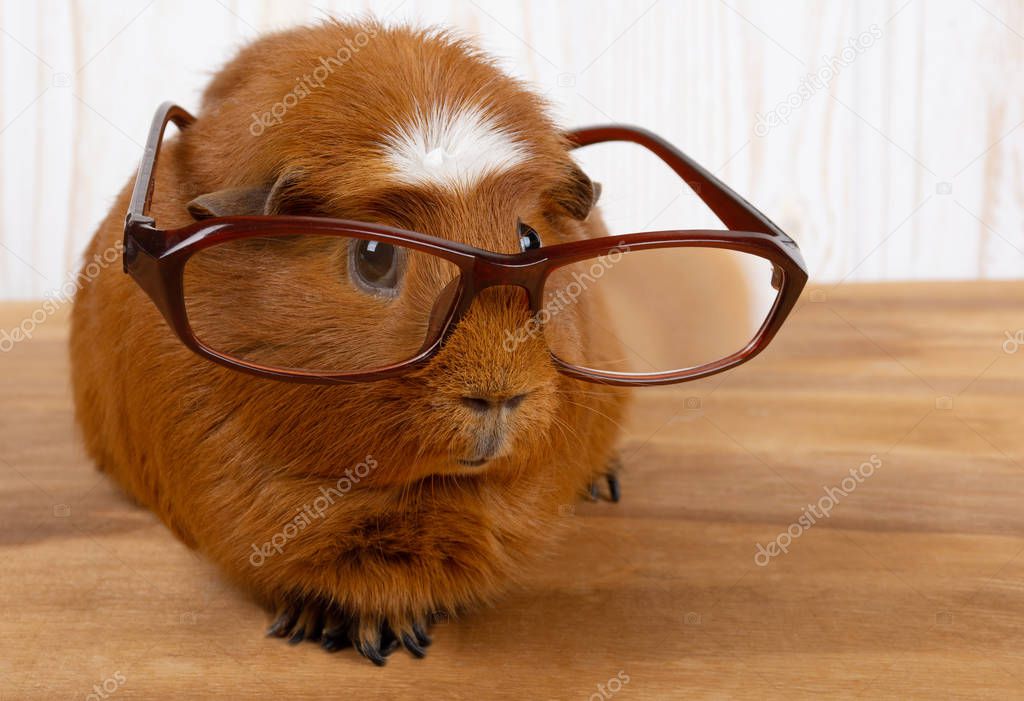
376,267
528,236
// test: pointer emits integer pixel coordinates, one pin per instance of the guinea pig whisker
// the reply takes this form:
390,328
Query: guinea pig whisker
596,411
563,427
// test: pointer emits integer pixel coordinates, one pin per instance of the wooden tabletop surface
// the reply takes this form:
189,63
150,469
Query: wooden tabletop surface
912,585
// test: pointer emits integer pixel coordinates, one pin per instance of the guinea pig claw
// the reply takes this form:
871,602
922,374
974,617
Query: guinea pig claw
370,651
309,626
298,623
611,475
283,623
422,639
614,491
413,646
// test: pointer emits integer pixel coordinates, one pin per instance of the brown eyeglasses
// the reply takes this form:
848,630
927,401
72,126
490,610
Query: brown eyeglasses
227,287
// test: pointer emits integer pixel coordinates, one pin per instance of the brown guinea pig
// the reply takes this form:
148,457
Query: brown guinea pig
357,511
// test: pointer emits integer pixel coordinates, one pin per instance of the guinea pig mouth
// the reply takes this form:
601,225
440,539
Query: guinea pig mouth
490,442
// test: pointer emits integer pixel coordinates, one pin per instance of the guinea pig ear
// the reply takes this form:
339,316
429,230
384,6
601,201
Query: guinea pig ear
283,196
233,201
290,195
575,195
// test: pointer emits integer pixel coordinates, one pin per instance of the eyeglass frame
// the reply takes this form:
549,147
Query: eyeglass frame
156,259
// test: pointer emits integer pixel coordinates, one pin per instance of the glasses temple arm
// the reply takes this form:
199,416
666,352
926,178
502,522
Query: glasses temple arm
142,193
734,211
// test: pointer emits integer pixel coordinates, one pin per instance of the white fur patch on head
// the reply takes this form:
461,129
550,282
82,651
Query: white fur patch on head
451,147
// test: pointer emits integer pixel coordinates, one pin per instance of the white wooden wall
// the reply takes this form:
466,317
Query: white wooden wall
908,164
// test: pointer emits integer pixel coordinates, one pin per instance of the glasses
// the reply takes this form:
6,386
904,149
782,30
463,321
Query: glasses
249,292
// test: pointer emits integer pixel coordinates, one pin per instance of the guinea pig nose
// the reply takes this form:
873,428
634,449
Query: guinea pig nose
482,405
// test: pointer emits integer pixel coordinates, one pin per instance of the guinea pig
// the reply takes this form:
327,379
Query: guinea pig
355,513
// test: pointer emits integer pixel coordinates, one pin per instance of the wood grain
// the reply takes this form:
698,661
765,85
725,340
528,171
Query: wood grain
913,588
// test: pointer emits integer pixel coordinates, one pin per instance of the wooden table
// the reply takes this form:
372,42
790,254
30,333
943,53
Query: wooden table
913,587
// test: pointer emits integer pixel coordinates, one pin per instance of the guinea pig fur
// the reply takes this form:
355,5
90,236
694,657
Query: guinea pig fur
349,511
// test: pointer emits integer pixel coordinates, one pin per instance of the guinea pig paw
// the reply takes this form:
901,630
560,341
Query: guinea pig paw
375,640
372,637
611,476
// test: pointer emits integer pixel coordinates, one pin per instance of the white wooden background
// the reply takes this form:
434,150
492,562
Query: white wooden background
908,164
